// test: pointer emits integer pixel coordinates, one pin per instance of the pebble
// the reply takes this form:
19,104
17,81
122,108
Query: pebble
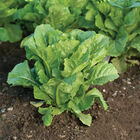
130,96
104,90
3,110
14,138
1,93
10,109
124,88
115,94
62,136
129,83
29,136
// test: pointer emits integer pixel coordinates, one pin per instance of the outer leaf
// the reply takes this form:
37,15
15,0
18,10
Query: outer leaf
21,75
10,32
85,118
136,43
47,115
98,95
85,101
120,64
37,104
102,73
117,46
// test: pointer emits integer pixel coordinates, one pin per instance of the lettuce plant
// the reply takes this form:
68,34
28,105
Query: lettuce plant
9,31
66,65
120,21
61,14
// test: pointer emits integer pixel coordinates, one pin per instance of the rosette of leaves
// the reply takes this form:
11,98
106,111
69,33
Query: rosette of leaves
120,21
66,65
9,29
61,14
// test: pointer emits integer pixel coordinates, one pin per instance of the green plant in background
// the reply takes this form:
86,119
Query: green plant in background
120,21
9,29
66,65
61,14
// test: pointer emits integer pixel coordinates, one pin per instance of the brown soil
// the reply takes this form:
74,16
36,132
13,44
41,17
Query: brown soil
20,121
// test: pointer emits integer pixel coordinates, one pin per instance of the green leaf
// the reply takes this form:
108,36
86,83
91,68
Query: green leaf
14,32
39,69
21,75
104,8
99,22
102,73
85,118
63,93
136,43
47,115
96,94
37,104
3,35
57,111
41,95
117,46
74,107
50,87
120,64
110,25
86,100
129,19
10,32
59,16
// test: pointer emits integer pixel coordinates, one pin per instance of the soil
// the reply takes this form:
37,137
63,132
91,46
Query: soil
20,121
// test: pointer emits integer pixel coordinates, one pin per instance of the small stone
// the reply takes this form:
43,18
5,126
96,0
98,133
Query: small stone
14,138
133,87
124,88
10,109
1,93
62,136
115,94
3,110
29,136
130,96
104,90
129,83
